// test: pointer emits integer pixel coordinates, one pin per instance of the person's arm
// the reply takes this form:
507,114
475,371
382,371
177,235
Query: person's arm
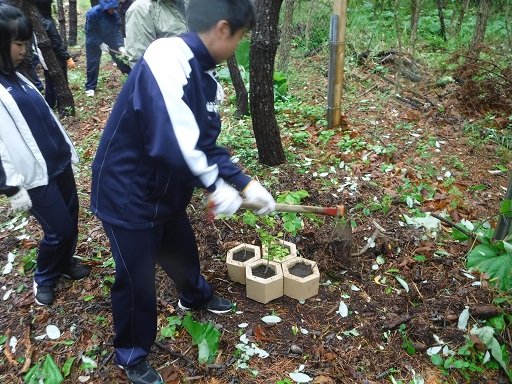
57,45
17,195
117,31
140,30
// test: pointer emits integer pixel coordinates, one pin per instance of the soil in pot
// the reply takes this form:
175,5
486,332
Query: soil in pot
301,269
243,255
263,271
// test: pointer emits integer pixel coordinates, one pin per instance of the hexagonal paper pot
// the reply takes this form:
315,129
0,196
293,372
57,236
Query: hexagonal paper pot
264,289
300,288
236,269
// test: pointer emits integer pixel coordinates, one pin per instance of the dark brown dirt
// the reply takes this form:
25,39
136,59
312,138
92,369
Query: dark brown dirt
367,346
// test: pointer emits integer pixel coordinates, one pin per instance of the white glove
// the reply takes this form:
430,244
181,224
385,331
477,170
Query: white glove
122,50
255,193
20,201
225,200
104,47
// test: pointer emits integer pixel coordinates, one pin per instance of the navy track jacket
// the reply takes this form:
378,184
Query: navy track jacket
160,140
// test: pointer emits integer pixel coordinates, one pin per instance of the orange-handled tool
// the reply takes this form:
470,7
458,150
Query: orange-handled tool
337,211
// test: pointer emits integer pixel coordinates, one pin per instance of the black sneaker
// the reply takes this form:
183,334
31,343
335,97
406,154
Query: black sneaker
142,373
216,304
78,272
44,294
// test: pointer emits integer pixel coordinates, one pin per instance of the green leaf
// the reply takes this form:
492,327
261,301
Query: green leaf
458,235
48,371
486,258
403,283
505,208
201,333
478,187
436,360
66,368
242,53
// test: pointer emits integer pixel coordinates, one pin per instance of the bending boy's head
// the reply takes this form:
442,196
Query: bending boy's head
203,15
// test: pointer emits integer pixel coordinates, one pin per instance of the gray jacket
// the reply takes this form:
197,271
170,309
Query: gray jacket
148,20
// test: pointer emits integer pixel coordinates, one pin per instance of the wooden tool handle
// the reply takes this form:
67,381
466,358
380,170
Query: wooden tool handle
337,211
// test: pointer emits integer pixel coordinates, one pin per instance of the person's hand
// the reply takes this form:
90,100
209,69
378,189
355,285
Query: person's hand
224,200
20,201
123,51
255,193
104,47
71,63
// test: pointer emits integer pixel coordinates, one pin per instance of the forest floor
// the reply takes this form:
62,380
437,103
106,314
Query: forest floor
384,319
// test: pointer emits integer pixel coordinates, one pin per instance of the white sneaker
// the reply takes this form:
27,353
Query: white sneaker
89,93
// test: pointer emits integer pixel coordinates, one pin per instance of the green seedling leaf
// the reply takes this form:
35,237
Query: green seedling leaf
458,235
48,372
506,207
403,283
203,335
66,368
486,334
494,260
479,187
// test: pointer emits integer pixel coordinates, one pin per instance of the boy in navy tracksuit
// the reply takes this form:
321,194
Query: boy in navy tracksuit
102,33
158,145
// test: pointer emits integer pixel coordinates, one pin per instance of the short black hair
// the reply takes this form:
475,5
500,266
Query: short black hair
45,8
202,15
14,25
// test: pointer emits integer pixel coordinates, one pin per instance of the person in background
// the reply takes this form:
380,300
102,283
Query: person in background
124,5
63,57
148,20
159,143
102,34
35,161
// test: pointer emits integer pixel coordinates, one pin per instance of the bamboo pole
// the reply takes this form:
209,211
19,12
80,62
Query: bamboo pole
340,9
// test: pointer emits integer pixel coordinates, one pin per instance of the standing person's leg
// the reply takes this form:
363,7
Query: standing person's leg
93,54
55,206
179,258
133,293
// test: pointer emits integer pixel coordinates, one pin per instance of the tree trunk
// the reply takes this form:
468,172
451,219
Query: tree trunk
242,97
440,6
286,37
415,17
480,27
308,22
61,17
73,23
65,96
264,43
458,25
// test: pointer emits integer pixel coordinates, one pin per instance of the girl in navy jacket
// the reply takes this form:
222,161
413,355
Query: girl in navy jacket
35,161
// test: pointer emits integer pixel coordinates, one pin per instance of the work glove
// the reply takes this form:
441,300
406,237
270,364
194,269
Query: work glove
104,47
224,200
255,193
20,201
71,63
122,50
